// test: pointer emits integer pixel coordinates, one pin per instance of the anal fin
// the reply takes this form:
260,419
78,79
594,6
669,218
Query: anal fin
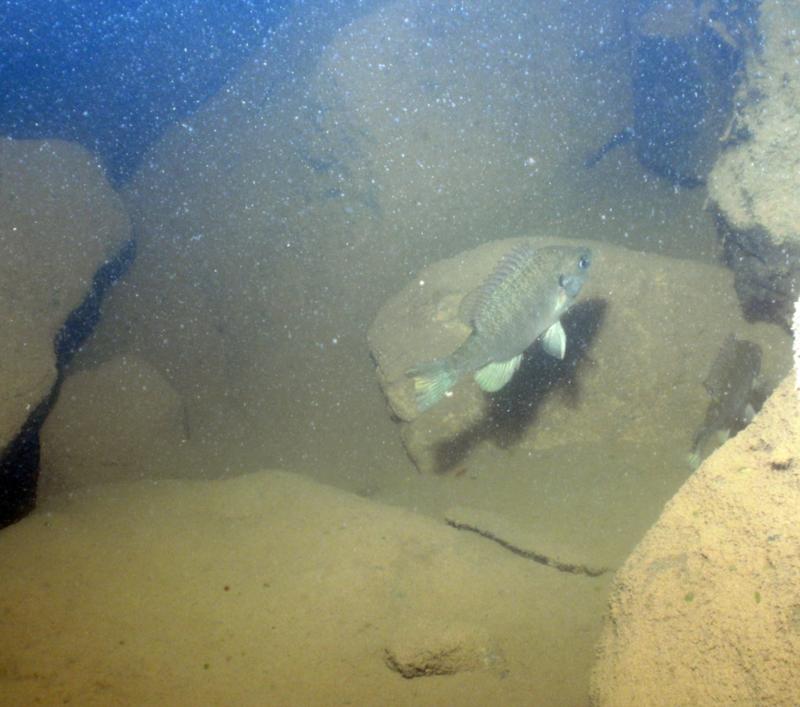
493,376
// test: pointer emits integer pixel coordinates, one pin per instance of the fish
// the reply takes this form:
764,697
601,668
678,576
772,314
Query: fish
730,384
522,301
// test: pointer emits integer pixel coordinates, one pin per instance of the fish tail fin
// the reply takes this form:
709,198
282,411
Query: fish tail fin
431,382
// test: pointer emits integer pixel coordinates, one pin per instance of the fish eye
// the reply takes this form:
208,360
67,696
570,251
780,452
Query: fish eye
583,262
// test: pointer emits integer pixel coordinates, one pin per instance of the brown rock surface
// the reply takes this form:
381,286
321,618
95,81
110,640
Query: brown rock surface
423,648
706,610
754,184
269,589
59,221
119,422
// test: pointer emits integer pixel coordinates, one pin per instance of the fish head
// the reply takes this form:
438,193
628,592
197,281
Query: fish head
574,271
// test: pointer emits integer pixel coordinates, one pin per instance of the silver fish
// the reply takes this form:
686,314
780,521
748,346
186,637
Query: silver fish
522,301
730,384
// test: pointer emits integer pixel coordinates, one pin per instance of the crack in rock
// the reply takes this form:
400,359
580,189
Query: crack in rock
540,557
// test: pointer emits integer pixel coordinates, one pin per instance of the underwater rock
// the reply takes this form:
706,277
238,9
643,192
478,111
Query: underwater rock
119,422
711,590
425,648
269,588
754,184
59,222
632,368
796,342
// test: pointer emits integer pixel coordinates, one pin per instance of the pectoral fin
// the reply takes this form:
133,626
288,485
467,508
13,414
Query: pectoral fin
723,436
554,341
494,376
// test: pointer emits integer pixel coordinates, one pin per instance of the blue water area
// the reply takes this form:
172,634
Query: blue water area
112,74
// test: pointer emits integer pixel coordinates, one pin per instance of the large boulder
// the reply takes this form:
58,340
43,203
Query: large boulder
271,589
119,422
59,222
705,611
754,184
641,340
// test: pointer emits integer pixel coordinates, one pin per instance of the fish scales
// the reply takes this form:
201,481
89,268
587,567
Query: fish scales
509,297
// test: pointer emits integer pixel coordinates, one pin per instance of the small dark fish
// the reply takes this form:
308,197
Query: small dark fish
730,384
520,302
